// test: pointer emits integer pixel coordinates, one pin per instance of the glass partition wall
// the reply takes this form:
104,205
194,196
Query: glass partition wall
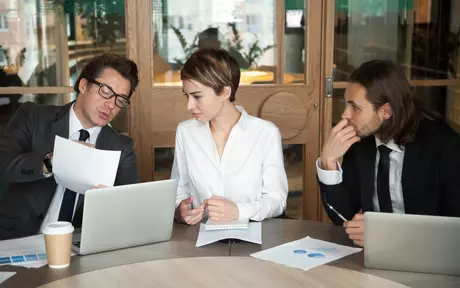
286,49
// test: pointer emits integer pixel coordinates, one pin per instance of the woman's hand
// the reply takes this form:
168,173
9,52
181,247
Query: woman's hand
221,209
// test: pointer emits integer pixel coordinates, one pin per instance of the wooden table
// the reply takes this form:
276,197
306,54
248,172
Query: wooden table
179,262
220,272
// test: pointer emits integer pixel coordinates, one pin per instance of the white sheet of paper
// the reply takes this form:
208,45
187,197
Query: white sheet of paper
80,168
32,245
35,264
305,253
252,234
5,275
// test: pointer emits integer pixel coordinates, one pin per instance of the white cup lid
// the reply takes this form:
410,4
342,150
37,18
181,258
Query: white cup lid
57,228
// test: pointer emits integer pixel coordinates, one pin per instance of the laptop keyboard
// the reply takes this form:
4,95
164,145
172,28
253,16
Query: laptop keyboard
76,243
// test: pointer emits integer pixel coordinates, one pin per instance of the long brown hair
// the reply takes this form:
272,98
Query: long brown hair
385,83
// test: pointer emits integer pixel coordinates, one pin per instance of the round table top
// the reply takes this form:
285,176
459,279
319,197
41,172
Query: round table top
220,272
182,246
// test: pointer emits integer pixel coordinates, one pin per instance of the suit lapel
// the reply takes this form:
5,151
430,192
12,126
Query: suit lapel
366,163
410,172
102,141
61,126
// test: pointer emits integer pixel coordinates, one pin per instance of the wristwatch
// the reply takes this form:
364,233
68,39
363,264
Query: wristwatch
48,165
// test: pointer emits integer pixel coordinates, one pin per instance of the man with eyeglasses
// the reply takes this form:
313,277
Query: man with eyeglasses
33,198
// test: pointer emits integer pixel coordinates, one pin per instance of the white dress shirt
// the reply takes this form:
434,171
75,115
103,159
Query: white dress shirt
74,134
334,177
250,173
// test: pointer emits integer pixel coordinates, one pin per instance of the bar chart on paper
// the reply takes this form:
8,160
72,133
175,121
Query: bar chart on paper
22,258
28,252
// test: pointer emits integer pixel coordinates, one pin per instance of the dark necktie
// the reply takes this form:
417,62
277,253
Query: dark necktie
383,180
68,202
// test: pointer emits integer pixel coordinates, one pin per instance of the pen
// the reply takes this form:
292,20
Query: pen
336,212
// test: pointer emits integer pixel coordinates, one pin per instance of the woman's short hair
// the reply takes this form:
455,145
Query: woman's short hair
213,68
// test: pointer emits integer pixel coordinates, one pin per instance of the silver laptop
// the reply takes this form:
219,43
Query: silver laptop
417,243
126,216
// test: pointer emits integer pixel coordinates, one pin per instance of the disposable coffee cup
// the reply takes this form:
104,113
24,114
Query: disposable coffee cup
58,241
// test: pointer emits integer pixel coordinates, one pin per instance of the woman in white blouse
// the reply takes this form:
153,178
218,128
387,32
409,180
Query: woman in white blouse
226,161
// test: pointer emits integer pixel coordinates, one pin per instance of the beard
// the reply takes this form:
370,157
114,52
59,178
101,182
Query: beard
370,128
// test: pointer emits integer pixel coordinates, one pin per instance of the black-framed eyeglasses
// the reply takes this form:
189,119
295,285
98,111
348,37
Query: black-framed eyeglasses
106,92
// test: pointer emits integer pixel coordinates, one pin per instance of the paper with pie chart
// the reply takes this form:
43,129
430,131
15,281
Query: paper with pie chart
305,253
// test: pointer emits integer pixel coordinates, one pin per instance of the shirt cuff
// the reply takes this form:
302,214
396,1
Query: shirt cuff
47,175
329,177
246,210
179,200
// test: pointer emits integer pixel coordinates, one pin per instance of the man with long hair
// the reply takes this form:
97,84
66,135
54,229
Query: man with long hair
398,157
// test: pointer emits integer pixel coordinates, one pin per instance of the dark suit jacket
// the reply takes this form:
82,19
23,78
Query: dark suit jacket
29,136
430,175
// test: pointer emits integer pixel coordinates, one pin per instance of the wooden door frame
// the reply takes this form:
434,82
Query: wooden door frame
328,72
315,11
139,48
139,17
